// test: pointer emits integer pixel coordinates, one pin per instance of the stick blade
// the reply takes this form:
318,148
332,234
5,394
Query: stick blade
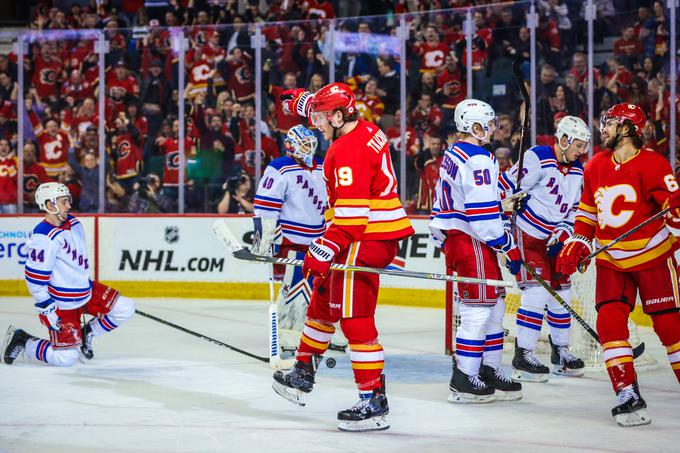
225,235
638,350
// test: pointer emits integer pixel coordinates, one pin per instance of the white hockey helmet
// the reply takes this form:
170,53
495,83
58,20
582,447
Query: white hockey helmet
50,191
471,111
300,142
574,128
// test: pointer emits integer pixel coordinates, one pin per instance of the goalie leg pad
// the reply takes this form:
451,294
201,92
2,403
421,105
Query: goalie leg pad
294,296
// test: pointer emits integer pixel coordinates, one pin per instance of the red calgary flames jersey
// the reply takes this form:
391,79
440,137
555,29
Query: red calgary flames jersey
362,189
619,196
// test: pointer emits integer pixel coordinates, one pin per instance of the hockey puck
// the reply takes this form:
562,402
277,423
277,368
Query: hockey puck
330,362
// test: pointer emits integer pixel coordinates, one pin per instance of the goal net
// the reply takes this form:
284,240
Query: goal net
583,345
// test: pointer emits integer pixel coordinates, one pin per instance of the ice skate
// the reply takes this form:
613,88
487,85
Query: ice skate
469,389
527,367
14,344
632,409
505,389
366,415
86,348
294,384
564,362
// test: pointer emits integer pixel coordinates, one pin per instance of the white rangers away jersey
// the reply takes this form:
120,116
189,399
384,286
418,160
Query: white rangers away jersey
295,196
57,267
555,191
467,196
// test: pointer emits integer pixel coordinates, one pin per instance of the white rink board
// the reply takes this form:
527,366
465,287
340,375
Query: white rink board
14,233
184,249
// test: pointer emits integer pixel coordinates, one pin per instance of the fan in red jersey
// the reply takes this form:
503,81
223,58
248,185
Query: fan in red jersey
54,142
624,186
365,221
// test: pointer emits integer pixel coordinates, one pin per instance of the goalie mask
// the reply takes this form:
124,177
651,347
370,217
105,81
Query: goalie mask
301,143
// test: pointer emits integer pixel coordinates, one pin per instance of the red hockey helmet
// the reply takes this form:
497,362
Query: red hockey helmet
623,112
334,96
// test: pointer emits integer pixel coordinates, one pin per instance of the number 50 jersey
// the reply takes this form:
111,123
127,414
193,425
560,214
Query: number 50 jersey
467,194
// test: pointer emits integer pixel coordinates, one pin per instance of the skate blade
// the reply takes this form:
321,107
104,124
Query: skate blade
468,398
637,418
293,395
502,395
5,342
563,371
372,424
523,376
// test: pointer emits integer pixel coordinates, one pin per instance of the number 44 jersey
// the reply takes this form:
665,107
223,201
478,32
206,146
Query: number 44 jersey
618,196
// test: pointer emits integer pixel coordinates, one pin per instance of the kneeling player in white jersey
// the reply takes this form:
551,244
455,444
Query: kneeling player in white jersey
289,214
58,277
553,177
468,221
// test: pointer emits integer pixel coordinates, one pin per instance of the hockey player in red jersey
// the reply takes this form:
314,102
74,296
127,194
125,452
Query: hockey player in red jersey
623,187
364,223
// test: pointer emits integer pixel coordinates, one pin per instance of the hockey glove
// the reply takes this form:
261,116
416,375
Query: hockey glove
48,314
520,199
437,237
575,249
296,102
560,234
267,236
514,260
674,204
318,258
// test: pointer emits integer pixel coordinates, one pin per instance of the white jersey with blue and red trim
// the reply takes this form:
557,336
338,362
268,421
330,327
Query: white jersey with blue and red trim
466,195
555,191
295,196
57,266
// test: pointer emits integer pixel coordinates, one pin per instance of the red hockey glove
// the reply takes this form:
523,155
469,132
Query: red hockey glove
674,204
318,258
296,102
575,249
514,260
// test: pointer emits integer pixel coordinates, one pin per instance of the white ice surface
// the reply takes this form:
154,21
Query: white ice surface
151,388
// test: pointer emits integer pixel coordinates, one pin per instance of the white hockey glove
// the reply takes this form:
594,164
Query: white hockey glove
267,236
521,198
48,314
438,237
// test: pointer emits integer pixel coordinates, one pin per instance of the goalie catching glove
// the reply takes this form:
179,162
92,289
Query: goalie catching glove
296,102
318,258
575,249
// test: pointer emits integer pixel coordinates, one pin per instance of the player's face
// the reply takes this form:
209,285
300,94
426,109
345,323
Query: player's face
608,132
577,149
321,120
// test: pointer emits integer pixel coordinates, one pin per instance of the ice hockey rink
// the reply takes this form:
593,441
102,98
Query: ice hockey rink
152,388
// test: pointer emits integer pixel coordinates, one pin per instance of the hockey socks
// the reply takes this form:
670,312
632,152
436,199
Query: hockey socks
315,339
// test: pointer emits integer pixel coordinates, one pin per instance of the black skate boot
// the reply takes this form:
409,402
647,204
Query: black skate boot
527,367
295,383
632,409
504,387
86,348
564,362
368,414
14,344
469,389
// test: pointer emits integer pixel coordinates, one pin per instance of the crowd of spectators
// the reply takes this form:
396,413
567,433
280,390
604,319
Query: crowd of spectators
141,167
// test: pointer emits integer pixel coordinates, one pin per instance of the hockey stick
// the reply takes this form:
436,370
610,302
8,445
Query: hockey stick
201,336
637,351
519,78
582,264
275,360
238,251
